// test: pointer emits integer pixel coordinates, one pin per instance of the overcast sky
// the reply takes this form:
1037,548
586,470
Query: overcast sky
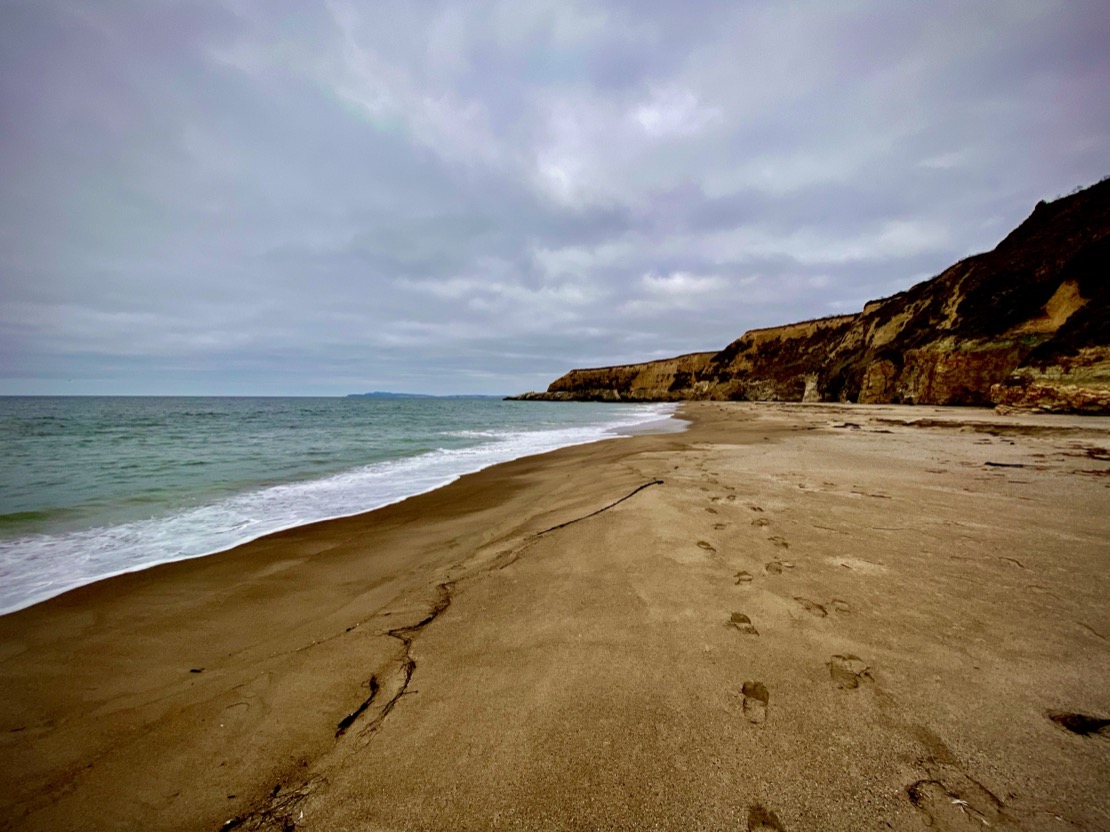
291,197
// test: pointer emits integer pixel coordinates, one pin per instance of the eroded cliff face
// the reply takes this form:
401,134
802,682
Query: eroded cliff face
671,379
1032,315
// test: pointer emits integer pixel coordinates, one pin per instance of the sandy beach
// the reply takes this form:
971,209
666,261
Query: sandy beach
787,617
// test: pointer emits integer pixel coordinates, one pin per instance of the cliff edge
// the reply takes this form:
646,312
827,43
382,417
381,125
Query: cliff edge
1026,325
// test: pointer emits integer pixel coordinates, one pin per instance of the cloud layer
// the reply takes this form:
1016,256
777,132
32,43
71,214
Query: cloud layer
278,197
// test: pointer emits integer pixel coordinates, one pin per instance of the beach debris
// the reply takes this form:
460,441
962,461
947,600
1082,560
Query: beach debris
941,804
196,669
965,807
349,719
742,623
630,494
282,809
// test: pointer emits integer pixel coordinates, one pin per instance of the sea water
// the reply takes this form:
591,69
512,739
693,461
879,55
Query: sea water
97,486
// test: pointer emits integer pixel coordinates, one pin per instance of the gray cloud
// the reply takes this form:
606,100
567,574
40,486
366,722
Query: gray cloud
280,197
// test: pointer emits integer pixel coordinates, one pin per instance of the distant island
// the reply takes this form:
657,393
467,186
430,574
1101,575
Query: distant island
381,394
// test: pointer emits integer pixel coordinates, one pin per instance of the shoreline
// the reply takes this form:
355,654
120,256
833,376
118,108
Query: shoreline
655,424
553,641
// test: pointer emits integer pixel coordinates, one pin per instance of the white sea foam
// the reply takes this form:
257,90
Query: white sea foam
38,567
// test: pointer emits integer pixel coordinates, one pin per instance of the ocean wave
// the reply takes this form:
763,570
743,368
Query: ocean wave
36,567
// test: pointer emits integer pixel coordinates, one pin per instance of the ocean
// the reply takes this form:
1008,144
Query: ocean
96,486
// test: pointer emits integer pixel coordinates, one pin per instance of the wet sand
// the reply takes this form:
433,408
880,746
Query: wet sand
786,618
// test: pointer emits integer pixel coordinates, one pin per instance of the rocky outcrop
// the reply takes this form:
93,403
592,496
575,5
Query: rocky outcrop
671,379
1051,398
1032,315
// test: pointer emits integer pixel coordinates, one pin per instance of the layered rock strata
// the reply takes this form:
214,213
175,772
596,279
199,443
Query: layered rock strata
1024,325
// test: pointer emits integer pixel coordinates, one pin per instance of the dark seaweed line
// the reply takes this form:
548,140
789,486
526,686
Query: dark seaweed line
630,494
280,808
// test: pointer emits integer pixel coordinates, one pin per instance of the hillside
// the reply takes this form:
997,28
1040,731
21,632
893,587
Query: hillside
1024,325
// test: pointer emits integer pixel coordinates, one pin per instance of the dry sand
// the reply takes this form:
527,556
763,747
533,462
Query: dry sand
786,618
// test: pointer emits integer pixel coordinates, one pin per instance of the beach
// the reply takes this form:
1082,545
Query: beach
787,617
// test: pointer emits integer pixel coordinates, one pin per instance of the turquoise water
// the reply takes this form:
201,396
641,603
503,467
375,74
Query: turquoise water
91,487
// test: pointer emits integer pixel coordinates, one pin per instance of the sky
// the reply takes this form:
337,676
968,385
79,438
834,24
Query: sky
280,197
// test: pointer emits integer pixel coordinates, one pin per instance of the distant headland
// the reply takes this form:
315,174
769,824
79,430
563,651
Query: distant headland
382,394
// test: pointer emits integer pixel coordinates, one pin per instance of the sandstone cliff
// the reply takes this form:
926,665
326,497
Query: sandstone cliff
669,379
1024,325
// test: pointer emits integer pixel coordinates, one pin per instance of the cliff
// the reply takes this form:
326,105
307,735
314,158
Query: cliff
666,380
1024,325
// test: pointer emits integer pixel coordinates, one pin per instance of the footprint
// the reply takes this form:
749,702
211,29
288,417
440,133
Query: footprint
711,510
755,508
780,542
730,497
1082,724
848,670
704,544
763,820
841,606
812,607
946,811
742,623
761,521
775,567
743,578
755,701
720,527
